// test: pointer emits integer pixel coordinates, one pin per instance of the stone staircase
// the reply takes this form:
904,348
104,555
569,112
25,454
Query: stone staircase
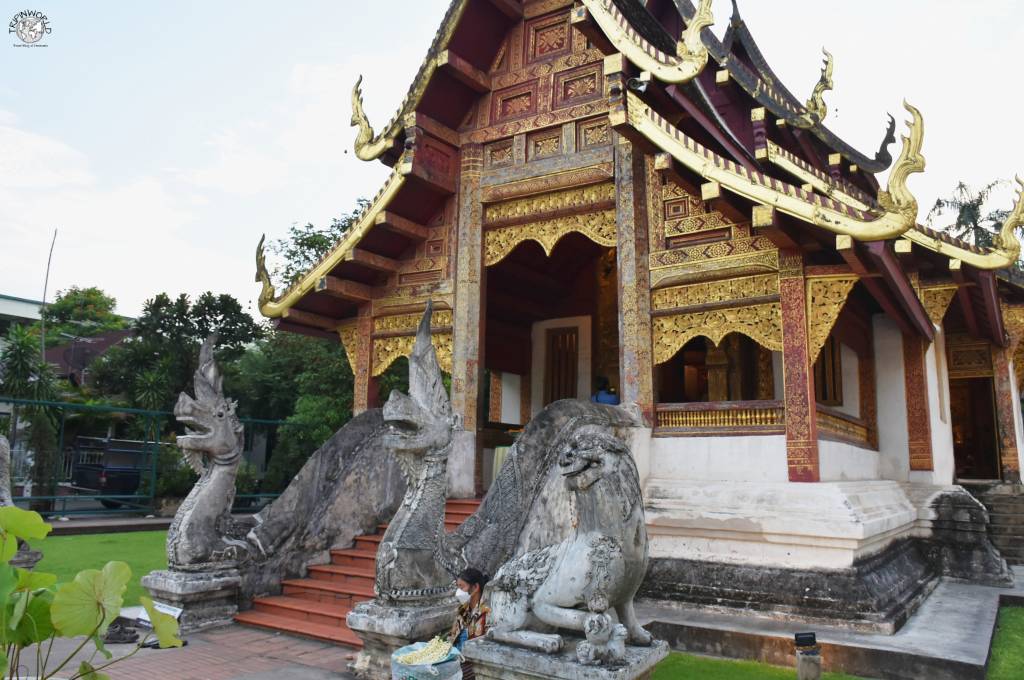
316,606
1005,505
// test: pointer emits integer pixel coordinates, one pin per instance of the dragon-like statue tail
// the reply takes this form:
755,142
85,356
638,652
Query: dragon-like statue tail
897,198
367,146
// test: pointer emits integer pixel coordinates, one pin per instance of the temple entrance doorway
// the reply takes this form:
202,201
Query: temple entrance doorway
551,332
975,440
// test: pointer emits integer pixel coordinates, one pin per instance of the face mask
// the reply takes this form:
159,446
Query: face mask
462,596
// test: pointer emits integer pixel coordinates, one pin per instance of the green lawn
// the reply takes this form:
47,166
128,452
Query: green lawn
143,551
1008,647
687,666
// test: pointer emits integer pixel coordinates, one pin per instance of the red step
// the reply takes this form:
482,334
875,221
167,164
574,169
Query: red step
343,574
337,634
316,606
362,559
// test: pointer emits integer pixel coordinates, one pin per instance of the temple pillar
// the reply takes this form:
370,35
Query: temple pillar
468,323
801,406
868,385
915,378
1006,412
364,384
636,370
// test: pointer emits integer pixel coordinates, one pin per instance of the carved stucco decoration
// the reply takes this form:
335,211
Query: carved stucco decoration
709,292
599,227
936,301
826,297
387,350
761,323
566,199
349,334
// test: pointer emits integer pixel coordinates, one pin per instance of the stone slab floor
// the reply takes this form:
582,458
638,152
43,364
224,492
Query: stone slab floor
229,653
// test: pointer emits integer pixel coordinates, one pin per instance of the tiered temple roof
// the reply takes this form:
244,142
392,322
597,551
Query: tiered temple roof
707,108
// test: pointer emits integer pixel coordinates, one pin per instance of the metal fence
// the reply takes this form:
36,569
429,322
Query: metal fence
100,459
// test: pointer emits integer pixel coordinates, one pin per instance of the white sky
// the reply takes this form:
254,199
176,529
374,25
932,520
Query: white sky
163,139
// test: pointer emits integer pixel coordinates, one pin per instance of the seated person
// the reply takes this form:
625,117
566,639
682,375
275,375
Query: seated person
605,393
471,620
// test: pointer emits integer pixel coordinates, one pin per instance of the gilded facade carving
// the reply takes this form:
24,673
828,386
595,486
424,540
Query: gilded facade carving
761,323
710,292
685,213
349,334
387,350
566,199
441,318
825,300
936,301
968,357
599,227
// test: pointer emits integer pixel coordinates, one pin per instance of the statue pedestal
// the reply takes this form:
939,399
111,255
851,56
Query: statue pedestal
498,661
383,628
207,598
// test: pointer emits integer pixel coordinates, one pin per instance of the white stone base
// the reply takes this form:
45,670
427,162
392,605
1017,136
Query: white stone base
826,525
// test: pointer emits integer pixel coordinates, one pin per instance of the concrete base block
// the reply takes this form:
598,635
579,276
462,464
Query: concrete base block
383,628
207,598
495,661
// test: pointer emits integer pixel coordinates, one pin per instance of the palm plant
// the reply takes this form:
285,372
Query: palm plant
971,220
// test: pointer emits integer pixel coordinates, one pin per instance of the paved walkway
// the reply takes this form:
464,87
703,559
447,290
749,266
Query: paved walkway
232,653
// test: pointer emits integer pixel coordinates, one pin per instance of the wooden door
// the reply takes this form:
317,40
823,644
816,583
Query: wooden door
561,364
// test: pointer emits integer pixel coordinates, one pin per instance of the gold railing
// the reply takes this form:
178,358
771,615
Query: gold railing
734,417
842,426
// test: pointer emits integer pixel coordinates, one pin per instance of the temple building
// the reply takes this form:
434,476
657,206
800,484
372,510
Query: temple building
606,191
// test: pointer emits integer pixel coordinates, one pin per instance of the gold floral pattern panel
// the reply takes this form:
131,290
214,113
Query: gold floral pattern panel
349,334
387,350
713,292
599,227
826,297
761,323
936,301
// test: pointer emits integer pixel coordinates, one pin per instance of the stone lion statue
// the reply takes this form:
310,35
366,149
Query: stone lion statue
587,582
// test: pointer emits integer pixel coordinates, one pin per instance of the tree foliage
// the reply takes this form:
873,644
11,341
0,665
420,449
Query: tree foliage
151,368
972,221
80,312
305,245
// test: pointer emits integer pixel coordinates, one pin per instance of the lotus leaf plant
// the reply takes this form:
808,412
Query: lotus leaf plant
35,610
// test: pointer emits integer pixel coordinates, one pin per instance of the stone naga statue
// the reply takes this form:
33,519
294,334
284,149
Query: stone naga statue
587,582
200,537
420,427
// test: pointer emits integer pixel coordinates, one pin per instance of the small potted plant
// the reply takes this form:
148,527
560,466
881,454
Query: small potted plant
35,609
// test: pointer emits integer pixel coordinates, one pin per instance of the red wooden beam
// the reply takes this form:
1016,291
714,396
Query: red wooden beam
990,295
372,260
464,72
344,290
400,225
324,323
738,154
963,295
849,251
900,285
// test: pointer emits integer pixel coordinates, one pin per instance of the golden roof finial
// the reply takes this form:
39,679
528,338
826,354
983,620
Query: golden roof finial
816,106
263,277
367,147
1006,240
897,198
